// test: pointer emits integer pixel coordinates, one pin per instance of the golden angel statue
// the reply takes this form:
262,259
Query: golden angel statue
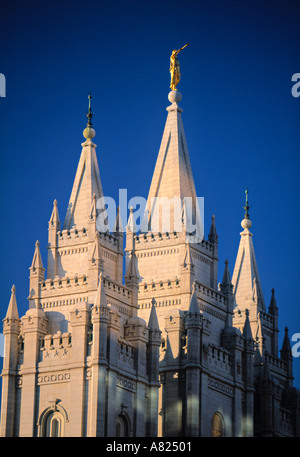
175,67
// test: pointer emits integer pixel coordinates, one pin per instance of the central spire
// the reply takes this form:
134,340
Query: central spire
173,176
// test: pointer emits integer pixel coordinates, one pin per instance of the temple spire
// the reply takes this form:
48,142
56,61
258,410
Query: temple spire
173,177
245,278
87,182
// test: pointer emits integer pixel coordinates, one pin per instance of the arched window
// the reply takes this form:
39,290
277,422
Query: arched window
122,429
52,421
217,425
54,425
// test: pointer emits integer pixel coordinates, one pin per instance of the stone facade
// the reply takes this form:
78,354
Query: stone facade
166,351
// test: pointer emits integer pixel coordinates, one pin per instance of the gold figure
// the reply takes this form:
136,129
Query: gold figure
175,67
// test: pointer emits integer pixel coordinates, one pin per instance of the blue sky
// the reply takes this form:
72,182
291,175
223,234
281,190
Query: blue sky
241,120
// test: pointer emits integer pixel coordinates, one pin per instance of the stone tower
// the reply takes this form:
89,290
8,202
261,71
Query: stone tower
164,351
272,375
213,335
80,362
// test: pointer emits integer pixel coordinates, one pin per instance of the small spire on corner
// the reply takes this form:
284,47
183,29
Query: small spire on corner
54,219
12,310
273,308
153,321
213,236
226,285
247,333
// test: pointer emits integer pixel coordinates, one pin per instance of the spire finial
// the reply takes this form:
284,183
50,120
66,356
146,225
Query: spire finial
246,207
89,113
89,132
246,222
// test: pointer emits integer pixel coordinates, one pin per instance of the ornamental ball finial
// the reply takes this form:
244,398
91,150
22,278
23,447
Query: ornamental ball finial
246,223
174,96
89,133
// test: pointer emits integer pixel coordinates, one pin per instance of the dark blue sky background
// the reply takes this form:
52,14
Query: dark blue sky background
241,121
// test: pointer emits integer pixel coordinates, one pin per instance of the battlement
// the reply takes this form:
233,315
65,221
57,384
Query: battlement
74,289
125,353
144,240
159,285
209,294
56,342
66,237
277,364
204,293
218,357
71,234
62,283
116,289
267,318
